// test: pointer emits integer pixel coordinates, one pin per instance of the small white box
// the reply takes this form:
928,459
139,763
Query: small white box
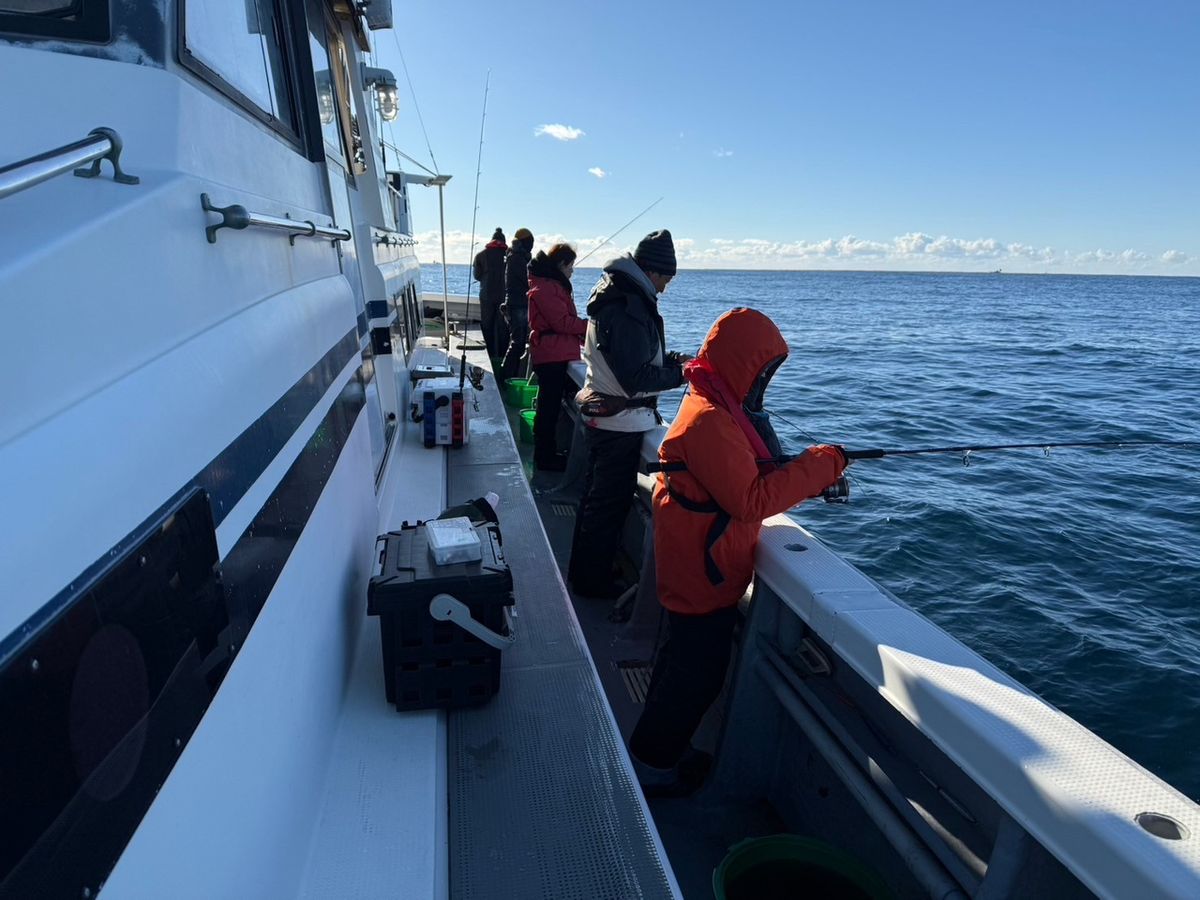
453,541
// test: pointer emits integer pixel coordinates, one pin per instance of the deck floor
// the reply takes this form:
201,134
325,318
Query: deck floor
697,831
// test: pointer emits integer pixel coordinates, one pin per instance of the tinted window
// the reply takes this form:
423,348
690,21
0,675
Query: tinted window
239,41
327,104
85,20
38,7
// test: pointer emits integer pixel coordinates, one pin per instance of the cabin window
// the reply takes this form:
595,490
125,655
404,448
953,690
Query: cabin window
327,99
83,20
239,46
339,124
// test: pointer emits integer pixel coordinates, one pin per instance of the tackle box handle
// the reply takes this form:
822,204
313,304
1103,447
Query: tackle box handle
445,608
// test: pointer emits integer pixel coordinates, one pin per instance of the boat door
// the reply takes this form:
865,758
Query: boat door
345,162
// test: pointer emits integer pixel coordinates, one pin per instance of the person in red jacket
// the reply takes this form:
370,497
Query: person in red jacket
555,336
707,516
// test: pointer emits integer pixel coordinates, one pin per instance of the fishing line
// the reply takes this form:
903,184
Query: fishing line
1045,446
839,491
416,103
857,482
462,369
619,230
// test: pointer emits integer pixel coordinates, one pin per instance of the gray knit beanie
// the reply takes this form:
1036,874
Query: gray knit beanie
656,253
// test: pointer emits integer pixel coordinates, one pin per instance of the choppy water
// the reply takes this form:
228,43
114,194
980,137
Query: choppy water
1079,574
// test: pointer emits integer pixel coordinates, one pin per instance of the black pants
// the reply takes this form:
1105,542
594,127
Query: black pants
491,323
518,333
687,678
552,388
609,486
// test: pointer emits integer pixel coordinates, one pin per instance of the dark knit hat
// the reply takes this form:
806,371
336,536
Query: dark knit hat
523,234
656,253
498,235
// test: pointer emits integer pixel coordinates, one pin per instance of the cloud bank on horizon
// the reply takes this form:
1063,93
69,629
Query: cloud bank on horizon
914,251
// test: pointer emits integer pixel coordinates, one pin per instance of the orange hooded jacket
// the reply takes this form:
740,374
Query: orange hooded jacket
702,567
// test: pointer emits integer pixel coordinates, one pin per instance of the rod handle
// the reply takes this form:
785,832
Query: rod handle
875,453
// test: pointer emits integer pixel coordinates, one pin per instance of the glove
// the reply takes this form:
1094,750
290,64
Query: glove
837,448
679,358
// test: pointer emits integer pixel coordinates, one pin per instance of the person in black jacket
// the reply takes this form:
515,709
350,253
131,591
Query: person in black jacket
516,301
489,272
627,367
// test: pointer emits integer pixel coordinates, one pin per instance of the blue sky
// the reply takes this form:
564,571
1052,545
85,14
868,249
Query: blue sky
1051,136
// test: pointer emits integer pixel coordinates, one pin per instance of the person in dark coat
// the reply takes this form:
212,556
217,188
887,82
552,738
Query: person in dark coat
489,272
516,300
555,335
627,367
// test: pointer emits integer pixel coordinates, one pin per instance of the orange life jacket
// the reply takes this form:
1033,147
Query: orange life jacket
707,518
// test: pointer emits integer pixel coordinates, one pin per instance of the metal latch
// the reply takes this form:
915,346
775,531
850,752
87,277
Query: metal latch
445,608
809,655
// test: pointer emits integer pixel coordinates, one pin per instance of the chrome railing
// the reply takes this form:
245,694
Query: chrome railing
238,217
100,144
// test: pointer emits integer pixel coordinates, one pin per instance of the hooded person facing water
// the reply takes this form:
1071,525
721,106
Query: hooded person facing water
627,367
489,272
515,307
706,524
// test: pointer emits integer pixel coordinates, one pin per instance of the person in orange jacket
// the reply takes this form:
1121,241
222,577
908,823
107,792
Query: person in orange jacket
707,516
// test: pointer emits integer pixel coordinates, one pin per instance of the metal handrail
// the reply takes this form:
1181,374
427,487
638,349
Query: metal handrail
238,217
100,144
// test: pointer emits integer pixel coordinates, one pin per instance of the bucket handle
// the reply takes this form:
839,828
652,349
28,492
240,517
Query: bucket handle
445,608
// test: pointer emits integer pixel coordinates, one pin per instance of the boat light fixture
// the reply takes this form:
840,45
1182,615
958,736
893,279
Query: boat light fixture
385,90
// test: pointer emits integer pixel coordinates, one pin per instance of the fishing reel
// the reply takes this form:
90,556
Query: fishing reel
838,492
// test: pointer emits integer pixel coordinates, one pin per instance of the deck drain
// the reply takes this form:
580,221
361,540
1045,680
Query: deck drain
562,509
1162,826
636,676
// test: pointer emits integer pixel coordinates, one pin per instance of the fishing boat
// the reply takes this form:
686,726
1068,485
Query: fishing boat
198,206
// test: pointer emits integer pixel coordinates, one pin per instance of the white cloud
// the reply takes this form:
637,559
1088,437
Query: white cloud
912,251
598,172
721,152
916,251
559,132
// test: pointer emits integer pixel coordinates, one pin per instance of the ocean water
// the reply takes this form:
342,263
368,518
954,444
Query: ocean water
1078,573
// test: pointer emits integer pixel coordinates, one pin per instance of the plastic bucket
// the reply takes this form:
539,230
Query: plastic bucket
519,393
527,425
789,867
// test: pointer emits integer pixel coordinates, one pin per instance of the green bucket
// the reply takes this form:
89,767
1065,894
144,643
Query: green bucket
527,425
790,867
520,393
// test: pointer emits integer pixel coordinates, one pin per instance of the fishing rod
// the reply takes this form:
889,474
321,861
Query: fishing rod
839,491
462,368
619,230
879,453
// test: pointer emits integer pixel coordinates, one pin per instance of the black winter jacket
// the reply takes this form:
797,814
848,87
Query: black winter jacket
516,278
630,334
489,272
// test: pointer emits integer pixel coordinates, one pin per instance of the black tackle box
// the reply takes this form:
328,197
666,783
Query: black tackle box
428,662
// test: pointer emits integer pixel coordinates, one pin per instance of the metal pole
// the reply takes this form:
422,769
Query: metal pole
445,283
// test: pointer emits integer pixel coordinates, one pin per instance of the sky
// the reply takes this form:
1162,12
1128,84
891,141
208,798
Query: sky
1029,137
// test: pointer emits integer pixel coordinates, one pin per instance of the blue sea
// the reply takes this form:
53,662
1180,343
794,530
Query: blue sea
1078,573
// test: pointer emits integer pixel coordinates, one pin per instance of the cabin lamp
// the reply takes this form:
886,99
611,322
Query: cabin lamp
384,83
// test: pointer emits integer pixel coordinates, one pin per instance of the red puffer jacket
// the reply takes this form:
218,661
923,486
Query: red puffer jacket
707,518
555,329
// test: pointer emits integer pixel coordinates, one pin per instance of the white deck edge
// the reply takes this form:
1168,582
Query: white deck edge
1073,792
400,758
